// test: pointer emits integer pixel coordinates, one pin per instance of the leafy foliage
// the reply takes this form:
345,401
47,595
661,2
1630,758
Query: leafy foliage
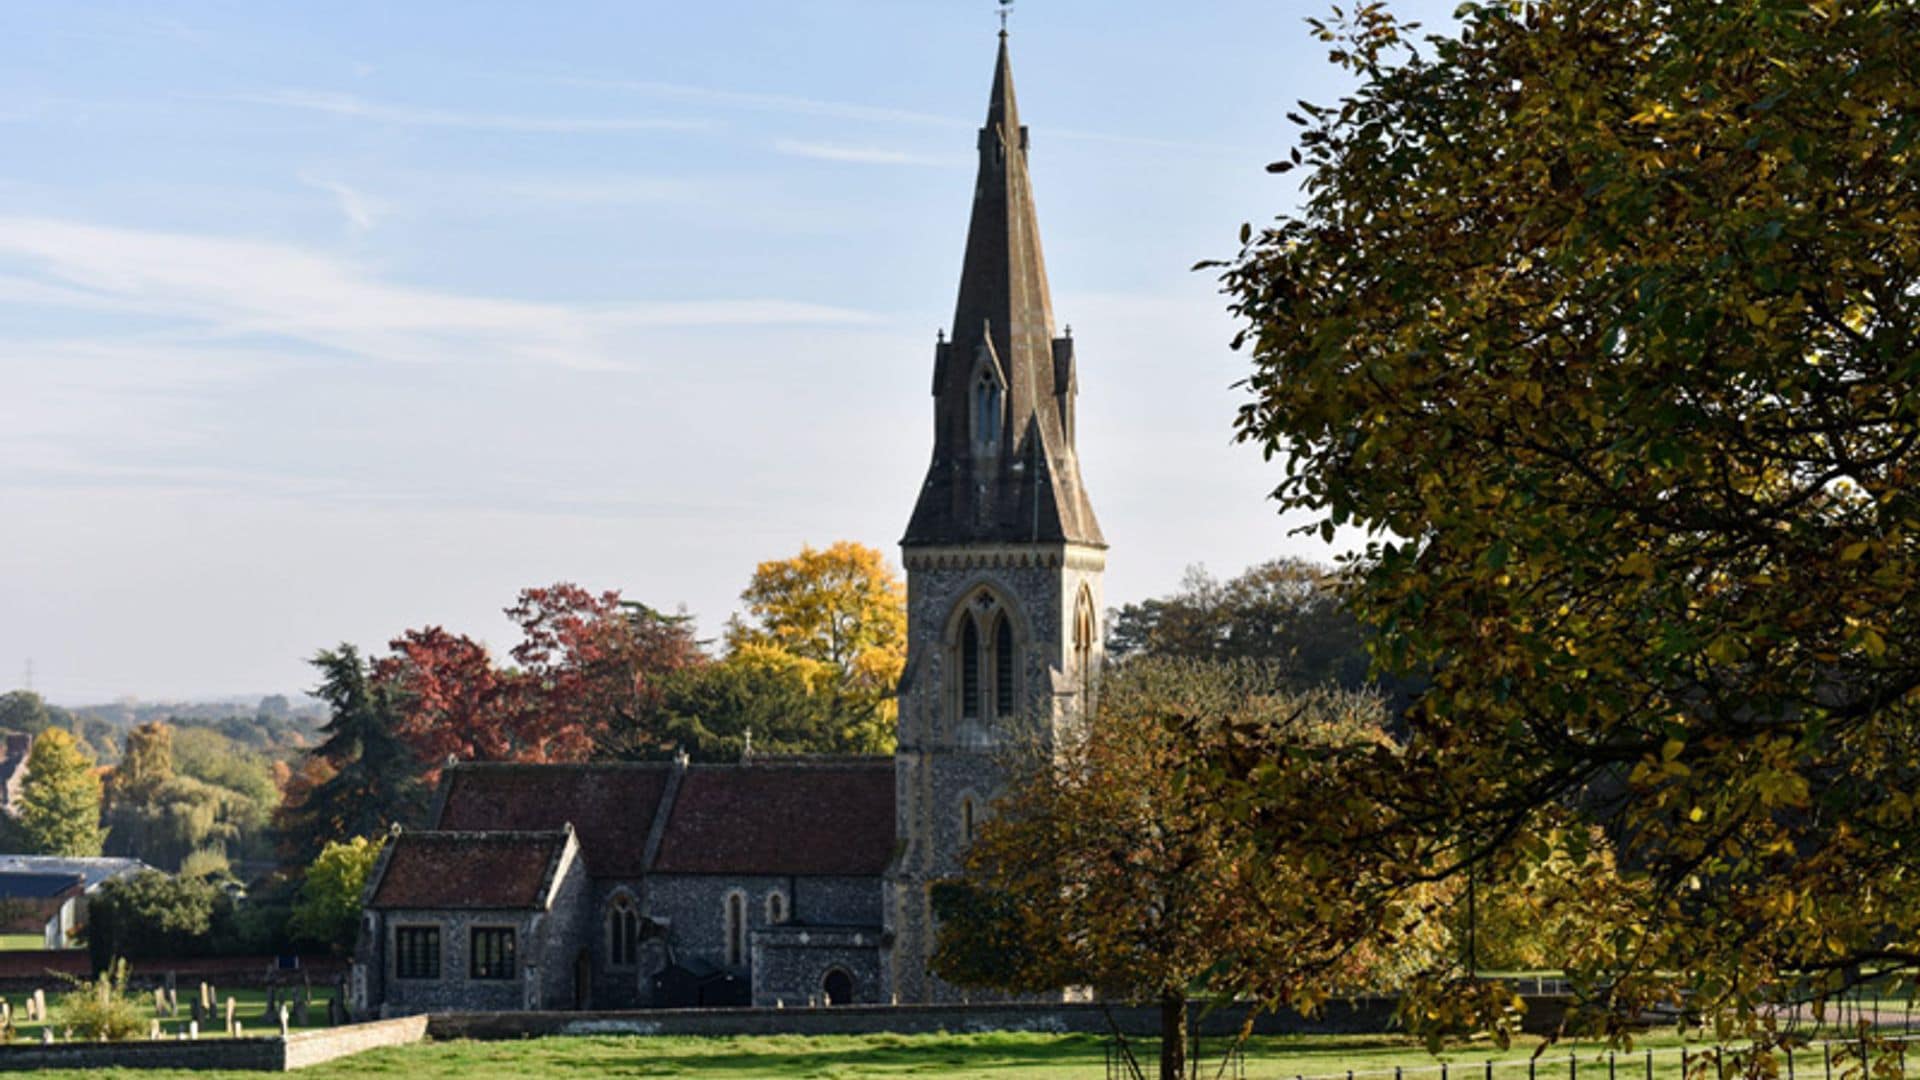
151,914
164,817
1600,318
328,911
374,775
586,677
1109,862
842,606
60,800
99,1009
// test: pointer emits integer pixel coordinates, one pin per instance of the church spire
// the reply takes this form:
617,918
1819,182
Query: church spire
1004,468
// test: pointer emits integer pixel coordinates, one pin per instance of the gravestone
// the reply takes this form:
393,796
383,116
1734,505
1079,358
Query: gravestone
159,1002
283,1020
231,1006
195,1012
40,1005
193,1029
300,1011
173,997
336,1013
153,1028
46,1036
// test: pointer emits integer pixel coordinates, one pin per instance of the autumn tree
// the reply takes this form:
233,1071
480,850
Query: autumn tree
60,800
374,781
583,679
1107,864
328,910
842,606
1600,320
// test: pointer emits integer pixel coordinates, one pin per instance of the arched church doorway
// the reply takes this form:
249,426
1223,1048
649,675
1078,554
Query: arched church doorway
839,987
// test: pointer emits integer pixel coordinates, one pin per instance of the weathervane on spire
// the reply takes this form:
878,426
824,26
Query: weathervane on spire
1006,8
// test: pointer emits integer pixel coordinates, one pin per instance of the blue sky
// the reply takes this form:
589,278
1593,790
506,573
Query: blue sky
322,321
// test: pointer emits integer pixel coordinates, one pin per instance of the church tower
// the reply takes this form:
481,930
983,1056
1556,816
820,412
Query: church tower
1003,555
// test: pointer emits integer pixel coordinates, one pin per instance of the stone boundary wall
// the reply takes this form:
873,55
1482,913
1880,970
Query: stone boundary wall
252,1055
1366,1015
313,1047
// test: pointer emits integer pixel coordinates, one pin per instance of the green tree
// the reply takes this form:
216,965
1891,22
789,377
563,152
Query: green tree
328,910
60,801
1106,863
373,782
1601,320
784,703
842,606
150,914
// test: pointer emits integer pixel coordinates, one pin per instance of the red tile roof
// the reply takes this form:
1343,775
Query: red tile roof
487,870
774,817
611,807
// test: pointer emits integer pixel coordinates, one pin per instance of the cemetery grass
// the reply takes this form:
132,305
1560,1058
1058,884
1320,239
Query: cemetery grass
1000,1056
249,1008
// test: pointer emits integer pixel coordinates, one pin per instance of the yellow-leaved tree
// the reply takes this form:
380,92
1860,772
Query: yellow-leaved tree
845,608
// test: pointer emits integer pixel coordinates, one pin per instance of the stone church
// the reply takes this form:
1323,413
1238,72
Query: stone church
795,881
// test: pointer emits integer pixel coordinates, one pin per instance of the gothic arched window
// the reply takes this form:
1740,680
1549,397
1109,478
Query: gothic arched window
776,908
1003,667
966,818
736,929
623,932
1083,639
969,670
986,654
986,411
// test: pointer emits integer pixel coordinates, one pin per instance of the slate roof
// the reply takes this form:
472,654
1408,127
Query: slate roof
93,872
775,817
610,806
39,886
1029,490
470,870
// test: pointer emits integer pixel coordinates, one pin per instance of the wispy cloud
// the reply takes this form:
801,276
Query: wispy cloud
783,103
858,155
352,105
355,206
245,292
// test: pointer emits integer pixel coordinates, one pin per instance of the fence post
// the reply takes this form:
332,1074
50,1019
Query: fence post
1573,1066
1489,1069
1531,1063
1650,1066
1609,1065
1826,1055
1443,1071
1685,1070
1789,1061
1720,1061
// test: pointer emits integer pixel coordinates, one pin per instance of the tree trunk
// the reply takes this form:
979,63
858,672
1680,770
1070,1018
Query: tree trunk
1173,1035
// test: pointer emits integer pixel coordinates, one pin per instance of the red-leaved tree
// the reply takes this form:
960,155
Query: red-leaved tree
587,665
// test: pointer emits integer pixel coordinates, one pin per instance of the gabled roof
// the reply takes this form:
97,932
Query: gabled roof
782,817
470,870
610,806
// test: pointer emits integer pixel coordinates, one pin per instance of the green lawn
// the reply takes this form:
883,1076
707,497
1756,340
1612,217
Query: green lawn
948,1057
22,942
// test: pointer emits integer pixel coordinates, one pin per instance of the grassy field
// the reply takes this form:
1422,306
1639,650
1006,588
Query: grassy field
22,942
953,1057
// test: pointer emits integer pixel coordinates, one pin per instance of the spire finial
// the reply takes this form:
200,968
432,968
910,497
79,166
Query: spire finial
1006,8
